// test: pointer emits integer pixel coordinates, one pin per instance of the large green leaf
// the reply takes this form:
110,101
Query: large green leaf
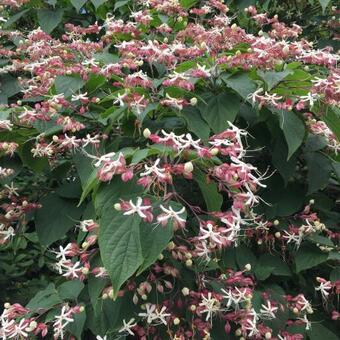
212,197
49,19
279,158
154,240
111,193
55,218
14,18
76,327
272,78
308,257
78,4
319,331
241,83
98,3
70,290
195,122
244,256
319,171
38,164
45,298
332,119
219,110
120,246
68,85
324,4
293,129
268,264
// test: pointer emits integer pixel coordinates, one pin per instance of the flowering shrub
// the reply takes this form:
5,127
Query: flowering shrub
168,170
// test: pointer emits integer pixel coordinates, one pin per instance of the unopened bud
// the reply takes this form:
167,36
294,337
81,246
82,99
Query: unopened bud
193,101
203,44
193,308
160,257
277,234
33,324
19,102
260,33
188,263
171,245
180,19
214,151
247,267
7,305
85,245
85,270
185,291
55,139
104,296
177,321
268,335
234,27
285,50
118,206
188,167
311,201
276,222
81,309
146,133
238,332
144,297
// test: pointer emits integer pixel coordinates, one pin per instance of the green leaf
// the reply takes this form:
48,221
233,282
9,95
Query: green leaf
318,331
49,19
270,264
272,78
78,4
188,3
219,110
56,217
319,171
108,194
324,4
38,164
70,290
293,129
98,3
244,256
211,196
195,122
44,298
335,274
336,169
241,83
9,85
283,201
120,4
155,239
332,119
87,174
68,85
279,158
308,257
14,18
120,246
95,82
76,327
315,143
334,255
